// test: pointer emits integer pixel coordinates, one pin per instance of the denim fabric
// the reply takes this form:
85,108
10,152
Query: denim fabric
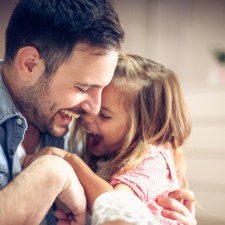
12,129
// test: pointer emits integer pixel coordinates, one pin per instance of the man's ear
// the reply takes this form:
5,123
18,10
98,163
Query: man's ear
29,64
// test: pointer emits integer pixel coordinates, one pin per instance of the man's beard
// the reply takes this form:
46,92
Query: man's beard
33,102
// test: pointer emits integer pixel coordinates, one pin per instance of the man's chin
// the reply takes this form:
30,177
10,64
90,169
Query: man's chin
59,132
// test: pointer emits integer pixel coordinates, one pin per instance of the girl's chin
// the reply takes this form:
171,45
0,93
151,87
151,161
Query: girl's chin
95,152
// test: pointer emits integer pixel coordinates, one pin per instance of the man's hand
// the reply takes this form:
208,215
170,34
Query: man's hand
72,193
179,205
67,218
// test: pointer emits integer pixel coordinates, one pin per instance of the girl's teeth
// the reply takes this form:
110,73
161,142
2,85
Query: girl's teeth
90,132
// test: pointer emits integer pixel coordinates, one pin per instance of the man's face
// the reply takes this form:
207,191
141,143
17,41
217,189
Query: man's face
75,88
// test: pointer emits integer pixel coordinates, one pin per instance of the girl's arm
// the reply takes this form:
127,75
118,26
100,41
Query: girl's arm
92,183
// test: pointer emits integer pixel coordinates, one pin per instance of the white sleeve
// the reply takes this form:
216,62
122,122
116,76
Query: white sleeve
121,205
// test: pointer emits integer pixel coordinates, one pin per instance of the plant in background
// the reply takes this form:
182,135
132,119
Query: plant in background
217,69
220,56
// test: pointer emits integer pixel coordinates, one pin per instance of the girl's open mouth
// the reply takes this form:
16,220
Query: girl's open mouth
93,139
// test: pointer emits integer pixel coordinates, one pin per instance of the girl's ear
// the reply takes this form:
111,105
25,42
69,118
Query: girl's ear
29,64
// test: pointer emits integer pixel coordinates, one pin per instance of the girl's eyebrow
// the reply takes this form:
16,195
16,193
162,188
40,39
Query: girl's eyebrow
108,110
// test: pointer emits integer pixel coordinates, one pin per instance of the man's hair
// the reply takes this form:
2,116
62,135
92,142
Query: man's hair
54,27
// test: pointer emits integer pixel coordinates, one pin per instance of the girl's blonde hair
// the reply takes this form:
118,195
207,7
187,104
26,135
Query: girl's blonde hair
153,99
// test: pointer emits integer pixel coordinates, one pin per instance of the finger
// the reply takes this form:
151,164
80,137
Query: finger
187,198
186,195
174,216
190,206
185,220
60,215
27,160
173,205
70,216
63,222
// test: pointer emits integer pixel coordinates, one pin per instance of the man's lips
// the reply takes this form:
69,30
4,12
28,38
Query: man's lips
65,117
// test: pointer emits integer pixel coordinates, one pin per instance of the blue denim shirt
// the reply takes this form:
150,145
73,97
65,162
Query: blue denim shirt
12,129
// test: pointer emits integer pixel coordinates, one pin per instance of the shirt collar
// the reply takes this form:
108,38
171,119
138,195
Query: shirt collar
7,106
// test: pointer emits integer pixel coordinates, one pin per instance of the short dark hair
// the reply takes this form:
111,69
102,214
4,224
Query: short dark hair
54,27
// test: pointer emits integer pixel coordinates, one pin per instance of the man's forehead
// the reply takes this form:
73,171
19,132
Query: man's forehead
94,50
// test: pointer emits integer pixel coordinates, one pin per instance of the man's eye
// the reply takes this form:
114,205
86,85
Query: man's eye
82,89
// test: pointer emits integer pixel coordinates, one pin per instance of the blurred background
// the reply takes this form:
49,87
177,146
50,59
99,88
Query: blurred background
187,36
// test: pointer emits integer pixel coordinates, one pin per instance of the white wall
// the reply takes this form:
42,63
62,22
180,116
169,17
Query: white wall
206,152
6,7
179,33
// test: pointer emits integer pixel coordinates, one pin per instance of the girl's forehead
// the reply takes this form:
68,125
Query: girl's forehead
110,90
111,98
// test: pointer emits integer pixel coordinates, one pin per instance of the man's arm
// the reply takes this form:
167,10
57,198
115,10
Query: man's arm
28,197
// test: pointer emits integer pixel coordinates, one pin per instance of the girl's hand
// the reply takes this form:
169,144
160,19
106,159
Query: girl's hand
179,205
28,160
47,150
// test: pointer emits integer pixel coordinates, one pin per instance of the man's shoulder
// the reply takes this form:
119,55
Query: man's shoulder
7,106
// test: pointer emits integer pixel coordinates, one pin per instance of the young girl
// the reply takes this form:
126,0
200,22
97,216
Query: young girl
134,143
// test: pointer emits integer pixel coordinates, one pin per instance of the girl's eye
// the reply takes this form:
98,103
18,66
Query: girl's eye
105,117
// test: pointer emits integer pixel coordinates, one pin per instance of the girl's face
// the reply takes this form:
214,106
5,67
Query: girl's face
107,130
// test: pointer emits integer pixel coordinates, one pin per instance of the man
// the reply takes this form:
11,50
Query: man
59,56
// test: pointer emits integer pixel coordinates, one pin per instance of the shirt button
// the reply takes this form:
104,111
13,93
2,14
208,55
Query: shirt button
19,121
11,152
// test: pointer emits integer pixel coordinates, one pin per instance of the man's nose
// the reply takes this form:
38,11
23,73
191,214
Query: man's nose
92,104
88,118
